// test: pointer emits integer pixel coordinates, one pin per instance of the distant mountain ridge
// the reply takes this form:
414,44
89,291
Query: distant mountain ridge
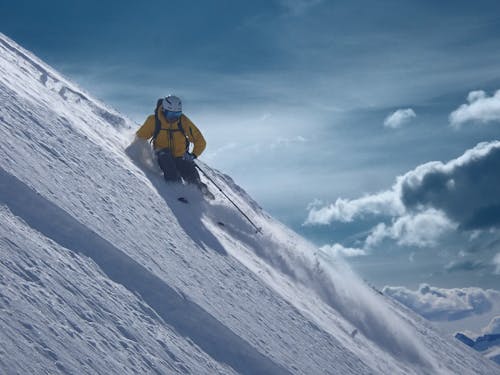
488,344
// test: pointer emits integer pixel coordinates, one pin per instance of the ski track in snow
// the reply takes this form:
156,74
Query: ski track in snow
104,271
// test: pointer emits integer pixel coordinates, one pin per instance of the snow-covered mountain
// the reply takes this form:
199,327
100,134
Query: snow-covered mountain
103,271
487,344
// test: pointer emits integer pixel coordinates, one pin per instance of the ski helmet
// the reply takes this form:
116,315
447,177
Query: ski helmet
172,104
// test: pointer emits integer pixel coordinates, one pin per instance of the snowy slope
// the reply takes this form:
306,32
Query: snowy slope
104,271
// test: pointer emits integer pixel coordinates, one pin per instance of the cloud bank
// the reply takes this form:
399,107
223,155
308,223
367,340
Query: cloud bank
399,118
439,304
480,108
344,210
463,191
422,229
433,205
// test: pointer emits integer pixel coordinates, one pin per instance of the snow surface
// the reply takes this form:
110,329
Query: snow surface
103,271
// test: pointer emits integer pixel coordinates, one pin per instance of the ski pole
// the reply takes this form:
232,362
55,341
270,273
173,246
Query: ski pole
258,230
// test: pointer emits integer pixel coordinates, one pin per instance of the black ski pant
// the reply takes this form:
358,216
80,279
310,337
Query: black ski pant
177,169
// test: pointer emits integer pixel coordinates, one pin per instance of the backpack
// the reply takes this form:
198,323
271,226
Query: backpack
158,126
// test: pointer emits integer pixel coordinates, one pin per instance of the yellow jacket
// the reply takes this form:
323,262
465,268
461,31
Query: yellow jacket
170,137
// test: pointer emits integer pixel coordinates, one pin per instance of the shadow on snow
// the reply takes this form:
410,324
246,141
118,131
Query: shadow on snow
185,316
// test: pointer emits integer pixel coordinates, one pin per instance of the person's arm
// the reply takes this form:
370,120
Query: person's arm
147,129
194,136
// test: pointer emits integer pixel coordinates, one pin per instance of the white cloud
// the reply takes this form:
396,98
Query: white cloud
464,189
422,229
441,304
494,327
480,108
344,210
399,118
339,250
434,203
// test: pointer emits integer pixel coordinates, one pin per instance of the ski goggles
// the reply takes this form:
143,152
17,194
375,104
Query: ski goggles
172,115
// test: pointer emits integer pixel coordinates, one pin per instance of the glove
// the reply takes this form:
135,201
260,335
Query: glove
188,156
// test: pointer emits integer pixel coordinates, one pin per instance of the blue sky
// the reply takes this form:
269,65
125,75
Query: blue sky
295,98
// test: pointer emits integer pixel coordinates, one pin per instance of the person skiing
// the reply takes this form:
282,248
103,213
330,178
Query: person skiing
171,133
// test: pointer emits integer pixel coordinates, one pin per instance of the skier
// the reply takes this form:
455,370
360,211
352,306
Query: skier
172,133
